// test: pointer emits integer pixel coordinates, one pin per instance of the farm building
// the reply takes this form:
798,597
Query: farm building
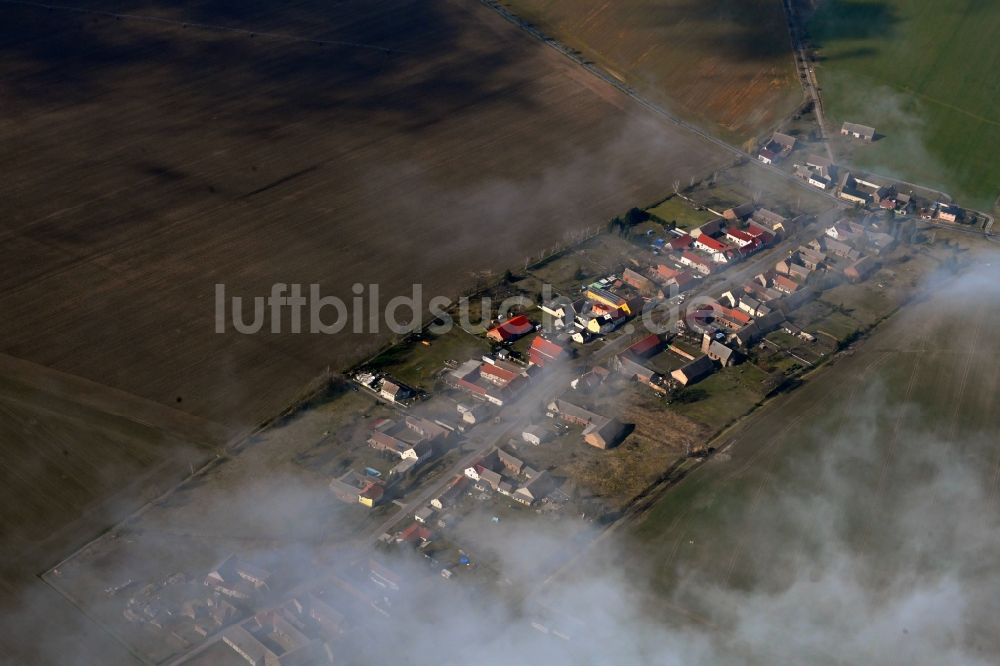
741,212
694,371
641,283
512,329
717,351
535,434
861,269
648,346
604,434
856,131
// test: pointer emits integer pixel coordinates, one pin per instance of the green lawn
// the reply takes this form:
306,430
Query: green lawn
675,209
726,395
923,73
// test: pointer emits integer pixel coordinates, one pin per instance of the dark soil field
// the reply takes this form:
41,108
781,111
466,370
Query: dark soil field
724,64
153,153
147,161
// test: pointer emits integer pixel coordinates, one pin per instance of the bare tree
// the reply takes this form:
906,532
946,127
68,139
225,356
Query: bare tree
677,187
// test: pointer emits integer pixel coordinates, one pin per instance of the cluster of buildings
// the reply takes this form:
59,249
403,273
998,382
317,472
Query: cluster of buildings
298,632
414,440
187,610
492,380
387,388
504,473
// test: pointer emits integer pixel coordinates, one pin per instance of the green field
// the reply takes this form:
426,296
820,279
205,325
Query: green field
724,64
923,73
846,505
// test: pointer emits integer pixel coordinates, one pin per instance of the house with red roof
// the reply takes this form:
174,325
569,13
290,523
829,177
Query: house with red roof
544,352
785,284
510,330
714,247
681,242
739,238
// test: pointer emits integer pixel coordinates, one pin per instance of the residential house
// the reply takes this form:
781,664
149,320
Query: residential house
697,262
489,479
668,277
785,284
629,368
535,489
545,352
598,429
820,166
716,249
810,258
395,391
511,463
424,514
740,238
839,249
717,351
694,371
856,131
848,190
753,307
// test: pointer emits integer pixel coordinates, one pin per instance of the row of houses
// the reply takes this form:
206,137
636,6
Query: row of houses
492,380
506,474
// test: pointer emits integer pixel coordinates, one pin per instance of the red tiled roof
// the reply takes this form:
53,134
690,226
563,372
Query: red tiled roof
681,242
711,243
666,272
787,283
544,351
740,234
645,345
514,327
502,373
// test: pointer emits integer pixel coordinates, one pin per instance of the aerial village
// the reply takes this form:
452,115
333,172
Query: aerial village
856,188
526,426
